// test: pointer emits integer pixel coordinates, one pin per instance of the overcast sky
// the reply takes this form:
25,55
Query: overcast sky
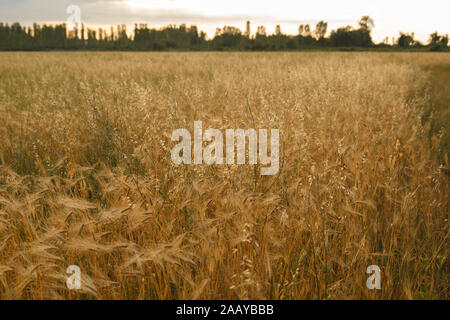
390,16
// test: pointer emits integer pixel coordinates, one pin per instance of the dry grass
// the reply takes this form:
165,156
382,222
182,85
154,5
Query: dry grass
86,177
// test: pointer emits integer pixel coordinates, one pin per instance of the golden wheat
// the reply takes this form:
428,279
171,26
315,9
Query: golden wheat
86,177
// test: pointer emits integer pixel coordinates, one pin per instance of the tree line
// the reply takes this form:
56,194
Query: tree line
182,37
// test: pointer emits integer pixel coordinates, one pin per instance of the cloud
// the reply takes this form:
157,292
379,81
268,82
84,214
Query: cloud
48,10
116,12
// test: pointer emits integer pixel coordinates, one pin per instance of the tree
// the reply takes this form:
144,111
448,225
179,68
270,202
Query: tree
366,23
307,31
348,37
247,30
182,37
437,41
229,37
405,40
321,29
261,31
278,30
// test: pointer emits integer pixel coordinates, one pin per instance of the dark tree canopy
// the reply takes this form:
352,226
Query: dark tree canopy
182,37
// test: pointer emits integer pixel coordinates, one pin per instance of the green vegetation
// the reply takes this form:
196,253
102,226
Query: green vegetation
228,38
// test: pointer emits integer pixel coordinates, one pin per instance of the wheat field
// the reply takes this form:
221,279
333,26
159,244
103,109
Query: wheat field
86,177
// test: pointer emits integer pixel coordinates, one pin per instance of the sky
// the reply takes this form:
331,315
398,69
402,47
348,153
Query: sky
390,16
